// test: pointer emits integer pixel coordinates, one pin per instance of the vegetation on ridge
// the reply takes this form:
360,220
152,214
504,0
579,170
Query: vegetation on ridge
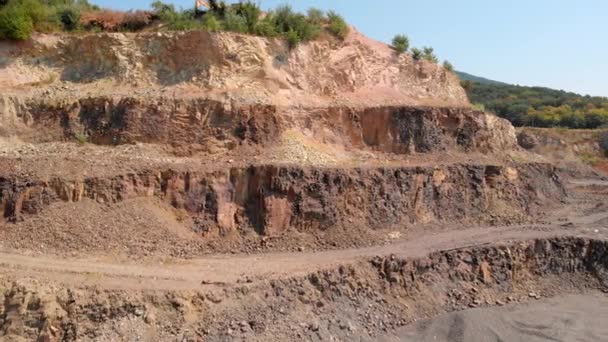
538,106
401,44
20,18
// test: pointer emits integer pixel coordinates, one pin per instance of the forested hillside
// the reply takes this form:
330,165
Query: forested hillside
538,106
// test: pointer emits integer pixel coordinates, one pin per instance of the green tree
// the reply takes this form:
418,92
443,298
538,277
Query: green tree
401,43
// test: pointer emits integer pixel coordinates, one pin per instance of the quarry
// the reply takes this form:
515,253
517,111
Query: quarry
217,186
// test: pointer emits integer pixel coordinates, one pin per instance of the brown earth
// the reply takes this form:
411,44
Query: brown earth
576,150
202,186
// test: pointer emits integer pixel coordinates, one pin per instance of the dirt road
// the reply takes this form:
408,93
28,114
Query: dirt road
224,270
583,216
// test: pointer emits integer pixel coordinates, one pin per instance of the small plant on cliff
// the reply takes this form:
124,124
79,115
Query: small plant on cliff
416,54
401,43
337,25
428,53
316,16
81,138
479,107
448,66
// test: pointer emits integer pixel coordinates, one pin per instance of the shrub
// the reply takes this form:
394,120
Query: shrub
250,12
164,12
70,18
15,23
266,28
416,54
337,25
211,23
448,66
184,21
479,106
295,27
293,39
401,43
234,22
429,54
316,16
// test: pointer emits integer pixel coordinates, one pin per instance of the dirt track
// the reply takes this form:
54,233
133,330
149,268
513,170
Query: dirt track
193,274
573,219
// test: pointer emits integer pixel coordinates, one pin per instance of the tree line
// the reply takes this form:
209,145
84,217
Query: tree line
539,106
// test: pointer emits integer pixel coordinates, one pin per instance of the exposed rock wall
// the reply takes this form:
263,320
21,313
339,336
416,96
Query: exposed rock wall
201,122
273,199
352,301
249,68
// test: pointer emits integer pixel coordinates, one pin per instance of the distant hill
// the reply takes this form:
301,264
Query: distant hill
468,77
536,106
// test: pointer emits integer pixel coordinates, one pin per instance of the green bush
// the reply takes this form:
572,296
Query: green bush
293,39
448,66
15,23
250,12
235,23
295,27
428,53
266,28
337,25
165,12
316,16
401,43
70,18
211,23
417,54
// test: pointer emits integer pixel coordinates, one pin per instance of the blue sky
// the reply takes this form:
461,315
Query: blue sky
560,44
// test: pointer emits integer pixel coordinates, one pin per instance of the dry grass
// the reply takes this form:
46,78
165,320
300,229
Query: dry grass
108,20
51,78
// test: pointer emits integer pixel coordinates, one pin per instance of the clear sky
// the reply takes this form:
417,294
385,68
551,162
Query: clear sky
561,44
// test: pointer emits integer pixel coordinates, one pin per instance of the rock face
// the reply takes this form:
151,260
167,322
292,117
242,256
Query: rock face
358,301
198,122
249,69
274,199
